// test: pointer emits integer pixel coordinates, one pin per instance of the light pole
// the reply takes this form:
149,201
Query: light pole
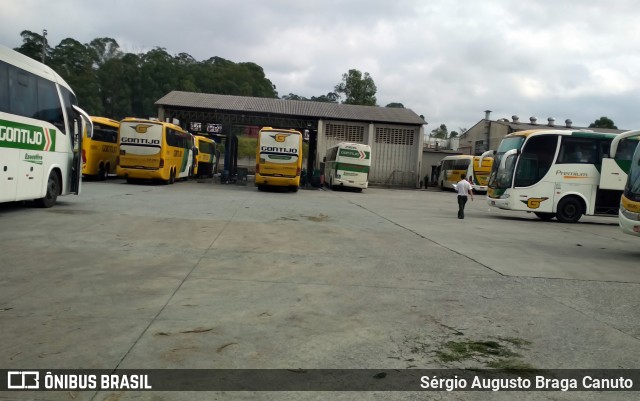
44,44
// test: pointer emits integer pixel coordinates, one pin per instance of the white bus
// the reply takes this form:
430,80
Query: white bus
454,168
347,165
562,174
629,214
41,129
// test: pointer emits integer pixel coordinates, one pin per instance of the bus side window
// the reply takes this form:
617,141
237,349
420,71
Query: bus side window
23,92
49,108
4,87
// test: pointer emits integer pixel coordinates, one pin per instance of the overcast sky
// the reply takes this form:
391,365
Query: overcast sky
447,60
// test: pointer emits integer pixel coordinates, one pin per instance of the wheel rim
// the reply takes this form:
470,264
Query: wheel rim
570,210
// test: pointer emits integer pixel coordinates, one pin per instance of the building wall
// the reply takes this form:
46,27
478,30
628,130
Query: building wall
431,159
474,141
396,154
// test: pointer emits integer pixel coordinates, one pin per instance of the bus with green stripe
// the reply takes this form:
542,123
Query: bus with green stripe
347,164
629,214
559,173
154,150
41,130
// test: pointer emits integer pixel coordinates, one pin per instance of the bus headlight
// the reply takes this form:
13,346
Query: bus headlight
505,196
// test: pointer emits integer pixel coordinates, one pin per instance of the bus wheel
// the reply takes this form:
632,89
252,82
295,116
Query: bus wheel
261,187
53,189
545,216
172,176
293,188
569,210
101,173
105,172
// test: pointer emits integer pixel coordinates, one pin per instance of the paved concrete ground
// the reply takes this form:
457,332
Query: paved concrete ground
202,275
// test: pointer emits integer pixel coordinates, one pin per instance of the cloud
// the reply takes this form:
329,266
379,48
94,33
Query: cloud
448,60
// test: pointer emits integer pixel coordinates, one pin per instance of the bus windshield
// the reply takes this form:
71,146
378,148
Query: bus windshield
632,190
504,178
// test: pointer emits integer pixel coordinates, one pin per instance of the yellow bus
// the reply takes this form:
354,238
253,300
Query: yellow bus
100,152
454,168
205,156
278,158
154,150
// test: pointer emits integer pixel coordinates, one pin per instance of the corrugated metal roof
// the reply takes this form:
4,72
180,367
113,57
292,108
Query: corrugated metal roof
301,108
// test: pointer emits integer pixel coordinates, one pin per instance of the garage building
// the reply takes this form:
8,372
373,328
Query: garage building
394,134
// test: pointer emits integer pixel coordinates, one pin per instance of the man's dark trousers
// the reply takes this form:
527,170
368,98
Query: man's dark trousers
462,200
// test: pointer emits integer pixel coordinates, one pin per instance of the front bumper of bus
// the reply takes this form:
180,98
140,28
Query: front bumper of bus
479,188
277,181
349,183
140,173
504,202
629,221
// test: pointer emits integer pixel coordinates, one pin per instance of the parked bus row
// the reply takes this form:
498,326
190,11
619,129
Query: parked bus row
139,149
568,174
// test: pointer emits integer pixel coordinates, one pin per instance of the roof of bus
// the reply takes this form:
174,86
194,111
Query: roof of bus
105,121
459,157
578,133
203,138
142,120
280,130
33,66
361,145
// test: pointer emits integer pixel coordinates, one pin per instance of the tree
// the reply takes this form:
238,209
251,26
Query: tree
74,62
293,96
440,132
32,45
104,49
395,105
358,89
603,122
330,97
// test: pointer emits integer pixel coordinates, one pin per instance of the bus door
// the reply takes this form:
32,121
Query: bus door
80,122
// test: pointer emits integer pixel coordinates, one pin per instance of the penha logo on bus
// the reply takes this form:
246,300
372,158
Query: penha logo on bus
142,128
280,137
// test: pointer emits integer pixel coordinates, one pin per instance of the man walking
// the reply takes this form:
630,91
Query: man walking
463,187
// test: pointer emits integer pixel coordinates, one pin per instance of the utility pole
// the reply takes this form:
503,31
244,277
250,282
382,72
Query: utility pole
44,44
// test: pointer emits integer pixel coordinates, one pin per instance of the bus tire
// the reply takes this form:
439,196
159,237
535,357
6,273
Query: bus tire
569,210
293,188
545,216
53,189
100,172
261,187
172,176
104,175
